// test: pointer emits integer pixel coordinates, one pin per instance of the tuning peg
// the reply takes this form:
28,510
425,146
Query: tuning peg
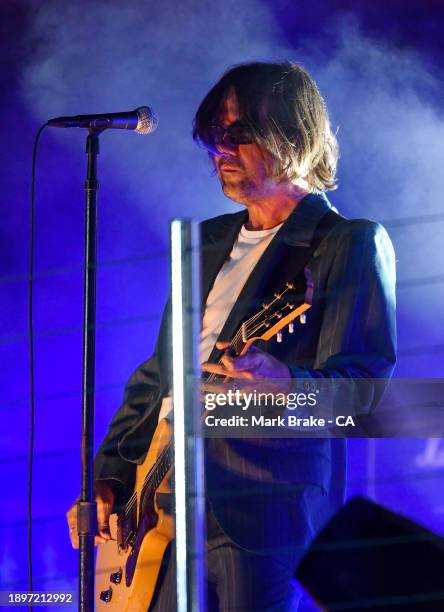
303,318
291,327
279,336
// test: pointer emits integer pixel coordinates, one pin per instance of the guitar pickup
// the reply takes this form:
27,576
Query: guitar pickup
164,501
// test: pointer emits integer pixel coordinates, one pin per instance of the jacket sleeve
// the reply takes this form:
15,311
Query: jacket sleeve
139,399
120,451
357,337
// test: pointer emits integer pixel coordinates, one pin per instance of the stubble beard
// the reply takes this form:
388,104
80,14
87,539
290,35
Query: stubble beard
240,191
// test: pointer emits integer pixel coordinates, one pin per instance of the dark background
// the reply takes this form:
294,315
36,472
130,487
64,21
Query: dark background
379,67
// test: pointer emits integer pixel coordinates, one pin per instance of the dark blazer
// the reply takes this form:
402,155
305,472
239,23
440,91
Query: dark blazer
350,332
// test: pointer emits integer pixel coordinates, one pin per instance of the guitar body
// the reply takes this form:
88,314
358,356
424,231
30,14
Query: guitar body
127,567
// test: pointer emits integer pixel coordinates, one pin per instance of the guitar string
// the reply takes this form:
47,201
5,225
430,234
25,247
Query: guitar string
279,295
150,477
273,315
247,328
131,506
247,325
132,502
155,468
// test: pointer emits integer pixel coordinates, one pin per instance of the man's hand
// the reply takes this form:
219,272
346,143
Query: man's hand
254,364
104,497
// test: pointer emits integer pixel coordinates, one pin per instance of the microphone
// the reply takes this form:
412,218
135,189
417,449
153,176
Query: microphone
143,120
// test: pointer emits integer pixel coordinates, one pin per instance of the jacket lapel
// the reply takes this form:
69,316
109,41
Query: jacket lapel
218,236
283,260
279,263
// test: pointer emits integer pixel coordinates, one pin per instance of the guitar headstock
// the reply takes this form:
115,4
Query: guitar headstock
287,305
290,302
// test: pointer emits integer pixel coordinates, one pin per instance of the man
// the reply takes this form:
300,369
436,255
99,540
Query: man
268,134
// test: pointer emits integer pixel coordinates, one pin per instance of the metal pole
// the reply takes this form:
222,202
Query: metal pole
188,443
86,509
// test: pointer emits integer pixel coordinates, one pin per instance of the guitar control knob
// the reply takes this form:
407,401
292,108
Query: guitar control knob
303,318
116,577
279,336
291,327
106,595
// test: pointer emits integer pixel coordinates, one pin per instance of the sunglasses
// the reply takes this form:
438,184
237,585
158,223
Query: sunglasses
230,136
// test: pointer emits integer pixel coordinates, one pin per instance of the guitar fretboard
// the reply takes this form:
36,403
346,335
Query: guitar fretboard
157,472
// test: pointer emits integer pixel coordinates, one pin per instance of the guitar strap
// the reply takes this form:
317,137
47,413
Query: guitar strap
301,257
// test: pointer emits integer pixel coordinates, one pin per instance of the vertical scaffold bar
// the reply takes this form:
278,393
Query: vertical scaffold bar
188,443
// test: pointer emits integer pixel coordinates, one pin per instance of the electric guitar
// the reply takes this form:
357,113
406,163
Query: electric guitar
128,565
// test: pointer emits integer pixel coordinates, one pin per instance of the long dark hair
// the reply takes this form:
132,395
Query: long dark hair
287,116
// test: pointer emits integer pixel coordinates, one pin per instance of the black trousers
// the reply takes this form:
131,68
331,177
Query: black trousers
240,580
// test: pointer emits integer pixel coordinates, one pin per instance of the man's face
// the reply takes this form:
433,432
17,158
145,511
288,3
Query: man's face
243,169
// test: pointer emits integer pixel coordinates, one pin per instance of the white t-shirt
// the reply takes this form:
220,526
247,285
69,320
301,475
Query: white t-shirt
246,252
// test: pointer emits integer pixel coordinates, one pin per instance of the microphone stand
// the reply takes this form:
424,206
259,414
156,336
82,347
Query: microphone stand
87,507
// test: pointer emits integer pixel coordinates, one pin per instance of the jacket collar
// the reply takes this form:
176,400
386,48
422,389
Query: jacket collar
297,230
220,233
289,247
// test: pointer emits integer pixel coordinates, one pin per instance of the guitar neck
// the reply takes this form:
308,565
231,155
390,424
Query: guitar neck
267,322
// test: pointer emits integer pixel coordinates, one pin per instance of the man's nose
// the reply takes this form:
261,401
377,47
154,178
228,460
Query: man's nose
225,150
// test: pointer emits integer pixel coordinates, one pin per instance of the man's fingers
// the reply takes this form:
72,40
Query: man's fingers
217,368
98,539
253,364
103,531
227,361
222,345
72,525
249,360
71,517
214,368
74,537
103,514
